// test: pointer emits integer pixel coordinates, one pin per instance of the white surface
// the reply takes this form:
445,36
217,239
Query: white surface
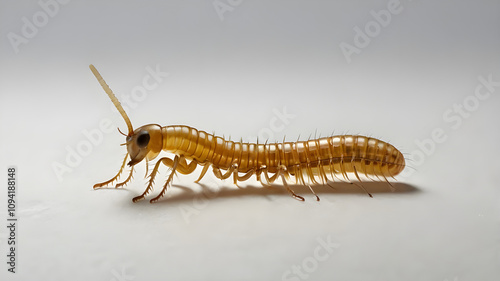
228,76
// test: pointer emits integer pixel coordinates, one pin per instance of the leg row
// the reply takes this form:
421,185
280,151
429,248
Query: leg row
179,164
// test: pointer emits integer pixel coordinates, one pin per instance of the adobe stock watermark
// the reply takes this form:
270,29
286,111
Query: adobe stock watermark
363,37
310,264
200,200
121,275
94,137
277,124
454,117
224,6
39,19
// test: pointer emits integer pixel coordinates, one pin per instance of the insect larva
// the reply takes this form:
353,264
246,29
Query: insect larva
317,160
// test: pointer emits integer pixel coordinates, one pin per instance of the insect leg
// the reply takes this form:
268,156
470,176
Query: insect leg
128,178
342,169
237,177
151,180
98,185
281,173
235,174
333,172
185,168
221,176
271,179
312,191
359,185
322,174
257,174
233,170
311,176
300,175
173,165
263,170
385,178
203,172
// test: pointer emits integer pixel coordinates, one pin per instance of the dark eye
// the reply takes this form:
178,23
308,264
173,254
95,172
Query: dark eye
143,140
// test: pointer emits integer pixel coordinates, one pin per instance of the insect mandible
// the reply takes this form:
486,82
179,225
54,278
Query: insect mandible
318,160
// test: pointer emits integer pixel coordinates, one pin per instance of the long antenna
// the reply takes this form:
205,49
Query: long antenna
113,98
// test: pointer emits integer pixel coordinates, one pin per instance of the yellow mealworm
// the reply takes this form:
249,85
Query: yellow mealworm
317,160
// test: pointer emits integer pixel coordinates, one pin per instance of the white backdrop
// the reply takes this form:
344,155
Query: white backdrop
422,75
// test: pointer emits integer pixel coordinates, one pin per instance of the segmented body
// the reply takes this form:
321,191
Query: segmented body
336,155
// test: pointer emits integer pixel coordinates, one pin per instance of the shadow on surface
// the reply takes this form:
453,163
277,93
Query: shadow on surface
228,190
